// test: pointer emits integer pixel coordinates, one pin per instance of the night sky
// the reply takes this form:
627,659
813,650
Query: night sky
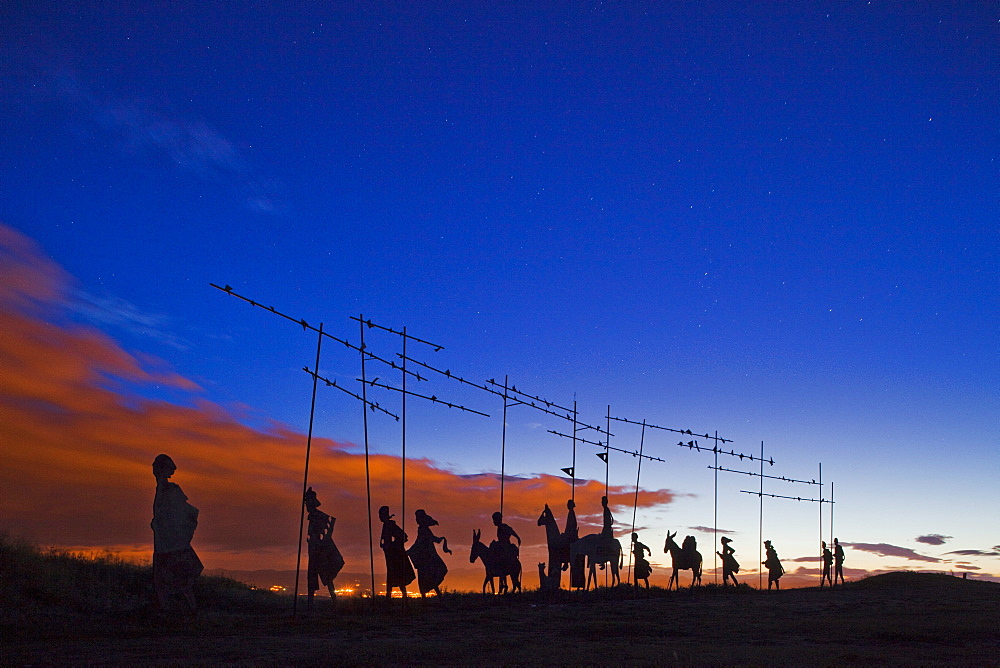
773,221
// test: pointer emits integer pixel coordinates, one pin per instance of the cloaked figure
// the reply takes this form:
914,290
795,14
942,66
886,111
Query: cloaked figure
838,562
827,562
325,560
577,567
398,569
642,568
176,567
431,568
730,567
773,565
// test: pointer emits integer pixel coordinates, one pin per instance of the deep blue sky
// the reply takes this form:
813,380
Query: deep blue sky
778,220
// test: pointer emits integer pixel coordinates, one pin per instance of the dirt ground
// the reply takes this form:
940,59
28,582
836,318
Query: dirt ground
898,618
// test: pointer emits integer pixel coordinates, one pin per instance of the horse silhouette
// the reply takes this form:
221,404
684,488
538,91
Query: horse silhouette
599,550
683,559
558,544
497,565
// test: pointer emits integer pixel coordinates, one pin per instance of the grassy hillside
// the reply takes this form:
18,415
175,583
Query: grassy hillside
60,609
49,583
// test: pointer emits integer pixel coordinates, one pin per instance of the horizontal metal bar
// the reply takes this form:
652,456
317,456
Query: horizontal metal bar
306,326
687,432
374,406
513,388
759,475
578,438
433,398
372,325
447,373
693,445
793,498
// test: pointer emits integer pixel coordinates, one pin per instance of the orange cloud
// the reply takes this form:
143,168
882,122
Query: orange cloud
76,449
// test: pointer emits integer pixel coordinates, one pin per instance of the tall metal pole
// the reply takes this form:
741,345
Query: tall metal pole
635,502
402,521
760,522
573,496
715,520
305,475
607,455
503,442
820,524
831,514
368,481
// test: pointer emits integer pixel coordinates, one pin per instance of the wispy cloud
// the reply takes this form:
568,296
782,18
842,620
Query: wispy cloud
712,530
115,312
190,145
933,539
995,552
887,550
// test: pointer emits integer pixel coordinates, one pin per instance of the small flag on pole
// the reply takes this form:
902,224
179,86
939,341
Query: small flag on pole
568,471
603,456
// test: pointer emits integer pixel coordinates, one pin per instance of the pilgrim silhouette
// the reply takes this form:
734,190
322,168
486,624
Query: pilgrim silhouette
430,567
558,550
176,567
838,561
398,569
827,562
577,566
500,558
599,549
730,567
642,569
683,558
773,566
325,560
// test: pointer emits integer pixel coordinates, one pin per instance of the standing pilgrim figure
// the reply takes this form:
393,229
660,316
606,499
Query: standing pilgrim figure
642,567
827,562
838,561
398,570
430,567
176,567
577,567
325,560
730,567
773,565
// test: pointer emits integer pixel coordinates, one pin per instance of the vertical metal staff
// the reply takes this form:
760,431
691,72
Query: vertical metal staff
831,514
402,519
607,455
368,480
715,520
305,475
635,503
760,522
573,496
503,442
820,524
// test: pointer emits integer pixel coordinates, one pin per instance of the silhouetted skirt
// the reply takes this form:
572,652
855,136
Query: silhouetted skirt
325,562
729,563
431,568
642,568
175,572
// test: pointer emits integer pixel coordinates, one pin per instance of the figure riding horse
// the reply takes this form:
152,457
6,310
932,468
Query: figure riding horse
498,565
683,558
599,549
